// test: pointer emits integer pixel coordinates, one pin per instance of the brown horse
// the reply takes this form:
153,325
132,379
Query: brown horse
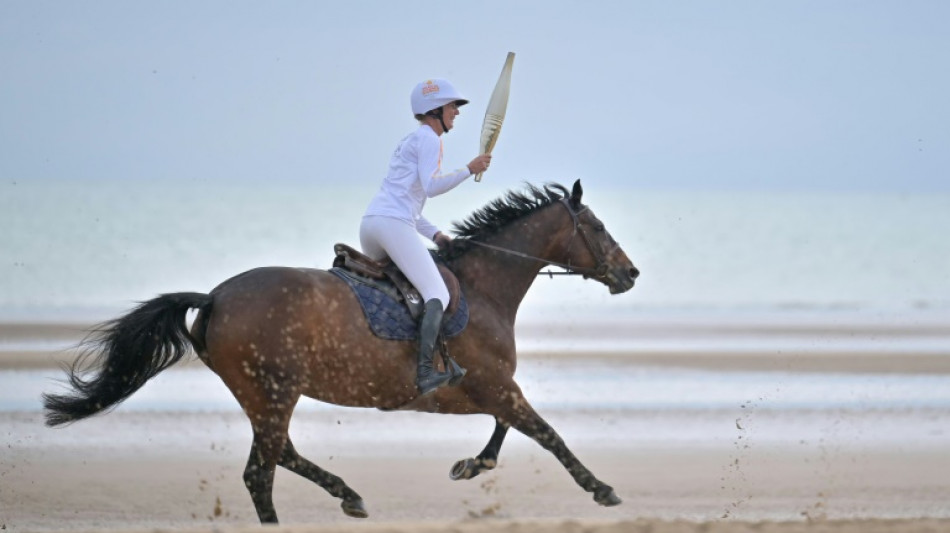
274,334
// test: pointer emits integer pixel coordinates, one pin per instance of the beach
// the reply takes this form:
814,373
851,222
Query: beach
776,173
744,384
721,440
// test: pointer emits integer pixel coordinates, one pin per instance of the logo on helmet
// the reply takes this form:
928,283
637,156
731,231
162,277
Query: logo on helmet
429,88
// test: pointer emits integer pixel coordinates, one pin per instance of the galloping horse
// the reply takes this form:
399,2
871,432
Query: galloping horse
273,334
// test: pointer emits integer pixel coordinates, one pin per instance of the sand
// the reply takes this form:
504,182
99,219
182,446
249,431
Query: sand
134,470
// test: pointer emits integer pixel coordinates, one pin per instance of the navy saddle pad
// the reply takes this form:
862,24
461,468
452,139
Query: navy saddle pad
388,316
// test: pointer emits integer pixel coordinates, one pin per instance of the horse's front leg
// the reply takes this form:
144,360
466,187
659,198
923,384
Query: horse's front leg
519,414
487,460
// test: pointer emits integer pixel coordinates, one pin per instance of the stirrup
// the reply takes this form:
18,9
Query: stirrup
432,382
456,372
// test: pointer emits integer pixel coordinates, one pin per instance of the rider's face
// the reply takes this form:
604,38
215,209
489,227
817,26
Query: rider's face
449,112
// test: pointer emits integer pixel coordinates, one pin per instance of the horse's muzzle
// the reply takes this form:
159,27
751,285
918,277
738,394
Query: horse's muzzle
621,280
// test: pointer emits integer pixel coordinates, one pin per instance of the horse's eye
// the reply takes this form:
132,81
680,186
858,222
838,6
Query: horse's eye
598,227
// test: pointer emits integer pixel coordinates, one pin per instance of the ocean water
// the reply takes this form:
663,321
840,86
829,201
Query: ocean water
617,405
552,385
85,251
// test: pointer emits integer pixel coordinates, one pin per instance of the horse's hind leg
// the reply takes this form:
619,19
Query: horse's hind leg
259,480
270,437
269,404
352,502
487,460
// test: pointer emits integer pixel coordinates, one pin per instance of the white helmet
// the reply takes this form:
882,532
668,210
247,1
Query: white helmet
433,94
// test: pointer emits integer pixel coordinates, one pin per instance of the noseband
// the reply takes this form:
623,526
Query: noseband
600,257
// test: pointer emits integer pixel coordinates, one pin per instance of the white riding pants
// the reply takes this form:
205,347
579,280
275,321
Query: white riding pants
382,237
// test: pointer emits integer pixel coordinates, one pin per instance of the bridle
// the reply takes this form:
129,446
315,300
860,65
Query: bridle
600,257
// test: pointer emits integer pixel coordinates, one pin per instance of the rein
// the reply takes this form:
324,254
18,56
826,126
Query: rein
571,271
599,271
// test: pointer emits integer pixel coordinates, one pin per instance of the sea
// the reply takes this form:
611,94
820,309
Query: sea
711,262
79,250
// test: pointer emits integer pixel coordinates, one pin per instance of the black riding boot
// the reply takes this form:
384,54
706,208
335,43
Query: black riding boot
427,379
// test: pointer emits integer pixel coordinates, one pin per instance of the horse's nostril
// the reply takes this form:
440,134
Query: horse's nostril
634,273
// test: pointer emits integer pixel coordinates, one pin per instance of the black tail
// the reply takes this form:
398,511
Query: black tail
125,353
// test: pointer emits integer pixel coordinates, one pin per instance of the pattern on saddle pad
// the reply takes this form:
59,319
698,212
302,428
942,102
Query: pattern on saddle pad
388,316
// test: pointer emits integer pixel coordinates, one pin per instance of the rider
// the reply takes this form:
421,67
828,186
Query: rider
393,221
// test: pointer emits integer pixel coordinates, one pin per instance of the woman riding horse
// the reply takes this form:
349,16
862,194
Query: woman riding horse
276,334
393,221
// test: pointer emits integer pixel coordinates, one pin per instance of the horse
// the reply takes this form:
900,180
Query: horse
274,334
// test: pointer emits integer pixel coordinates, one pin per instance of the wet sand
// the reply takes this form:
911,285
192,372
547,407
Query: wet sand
140,470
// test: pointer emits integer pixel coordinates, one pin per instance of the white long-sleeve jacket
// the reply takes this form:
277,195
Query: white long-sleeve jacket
415,174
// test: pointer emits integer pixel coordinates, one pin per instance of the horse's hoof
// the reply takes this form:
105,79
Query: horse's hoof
607,497
354,508
464,469
469,468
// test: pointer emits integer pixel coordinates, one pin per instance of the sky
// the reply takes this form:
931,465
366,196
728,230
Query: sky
736,95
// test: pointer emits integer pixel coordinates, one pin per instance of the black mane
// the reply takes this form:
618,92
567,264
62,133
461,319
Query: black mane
500,212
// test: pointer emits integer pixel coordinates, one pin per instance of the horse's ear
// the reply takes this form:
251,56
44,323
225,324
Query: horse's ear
576,195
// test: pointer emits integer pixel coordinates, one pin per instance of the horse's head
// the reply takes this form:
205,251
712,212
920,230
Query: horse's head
533,227
591,250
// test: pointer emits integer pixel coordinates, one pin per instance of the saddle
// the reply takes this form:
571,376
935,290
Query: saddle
386,276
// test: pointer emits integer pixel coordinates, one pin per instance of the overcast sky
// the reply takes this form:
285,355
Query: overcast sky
839,95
